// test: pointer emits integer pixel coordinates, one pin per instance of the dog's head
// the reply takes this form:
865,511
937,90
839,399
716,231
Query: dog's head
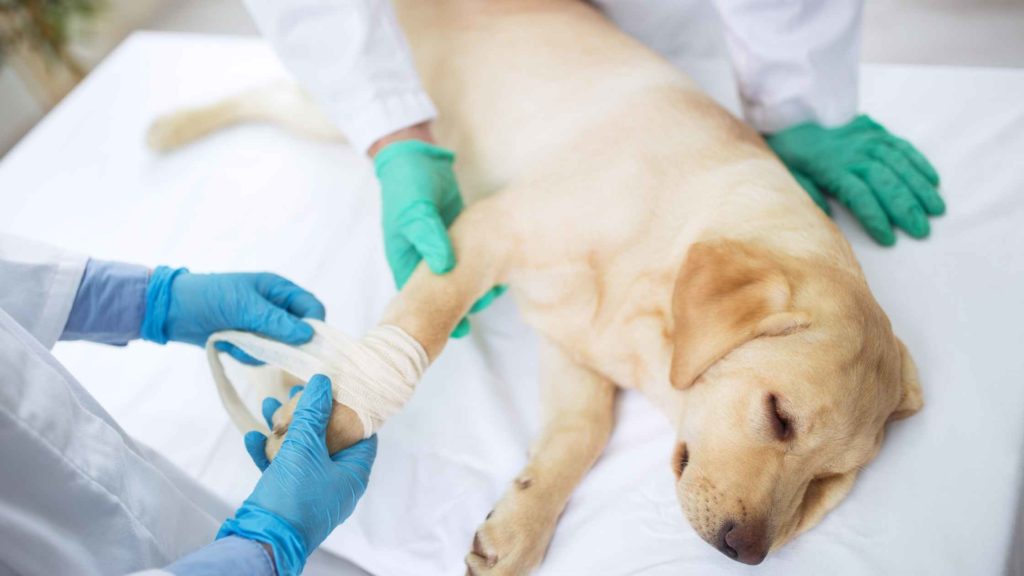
789,373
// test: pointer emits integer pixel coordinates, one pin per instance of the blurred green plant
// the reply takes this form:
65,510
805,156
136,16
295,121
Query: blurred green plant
44,26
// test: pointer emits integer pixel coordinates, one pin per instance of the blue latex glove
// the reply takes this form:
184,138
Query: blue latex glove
184,307
304,493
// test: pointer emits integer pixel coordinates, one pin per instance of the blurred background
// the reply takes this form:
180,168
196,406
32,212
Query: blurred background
47,46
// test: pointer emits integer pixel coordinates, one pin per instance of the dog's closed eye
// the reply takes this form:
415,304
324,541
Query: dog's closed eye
781,424
680,459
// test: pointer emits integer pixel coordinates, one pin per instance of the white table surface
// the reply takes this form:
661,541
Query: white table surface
940,499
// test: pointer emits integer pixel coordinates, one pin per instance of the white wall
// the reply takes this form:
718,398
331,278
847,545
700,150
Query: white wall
204,16
945,32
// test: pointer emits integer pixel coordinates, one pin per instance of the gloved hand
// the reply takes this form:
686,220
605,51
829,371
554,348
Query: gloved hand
184,307
304,493
420,201
881,178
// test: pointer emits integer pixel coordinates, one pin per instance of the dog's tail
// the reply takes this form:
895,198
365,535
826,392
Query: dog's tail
281,103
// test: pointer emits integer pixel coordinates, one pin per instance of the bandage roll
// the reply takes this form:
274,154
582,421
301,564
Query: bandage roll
374,376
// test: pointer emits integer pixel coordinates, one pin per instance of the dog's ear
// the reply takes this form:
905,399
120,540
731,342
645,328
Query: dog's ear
911,399
727,294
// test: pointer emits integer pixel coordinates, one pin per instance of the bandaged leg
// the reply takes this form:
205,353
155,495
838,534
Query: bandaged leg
372,377
375,376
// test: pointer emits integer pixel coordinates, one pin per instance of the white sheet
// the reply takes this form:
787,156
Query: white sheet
940,499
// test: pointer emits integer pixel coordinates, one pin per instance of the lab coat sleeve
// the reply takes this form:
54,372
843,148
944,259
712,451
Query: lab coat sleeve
38,284
231,555
77,494
795,60
110,303
352,57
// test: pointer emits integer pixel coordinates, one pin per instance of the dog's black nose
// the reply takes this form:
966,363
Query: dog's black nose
747,542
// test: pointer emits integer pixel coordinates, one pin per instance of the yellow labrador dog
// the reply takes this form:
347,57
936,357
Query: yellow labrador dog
656,244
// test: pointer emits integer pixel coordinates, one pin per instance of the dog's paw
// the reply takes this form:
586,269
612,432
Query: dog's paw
280,422
515,535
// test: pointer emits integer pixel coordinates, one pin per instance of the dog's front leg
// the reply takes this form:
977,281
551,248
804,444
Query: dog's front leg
578,412
429,305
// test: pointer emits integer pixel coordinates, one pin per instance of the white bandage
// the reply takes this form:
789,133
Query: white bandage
374,376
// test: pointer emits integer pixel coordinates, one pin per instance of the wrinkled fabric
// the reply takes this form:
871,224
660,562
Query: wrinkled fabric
38,283
77,496
232,555
352,57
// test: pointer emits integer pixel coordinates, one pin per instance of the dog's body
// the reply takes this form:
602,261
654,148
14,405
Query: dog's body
655,242
611,165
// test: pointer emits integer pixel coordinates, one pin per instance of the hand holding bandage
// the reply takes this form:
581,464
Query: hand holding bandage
372,378
307,491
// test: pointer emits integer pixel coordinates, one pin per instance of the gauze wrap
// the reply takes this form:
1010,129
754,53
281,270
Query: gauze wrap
374,376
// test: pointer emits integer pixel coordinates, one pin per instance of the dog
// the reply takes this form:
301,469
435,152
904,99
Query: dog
655,243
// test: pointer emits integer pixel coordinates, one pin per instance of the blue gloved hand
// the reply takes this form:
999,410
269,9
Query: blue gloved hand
304,493
184,307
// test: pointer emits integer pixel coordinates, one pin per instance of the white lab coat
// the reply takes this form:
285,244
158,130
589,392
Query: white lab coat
77,494
794,60
352,57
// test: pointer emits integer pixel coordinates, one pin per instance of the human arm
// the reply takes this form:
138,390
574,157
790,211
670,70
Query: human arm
796,64
794,61
110,303
38,283
231,555
117,303
352,57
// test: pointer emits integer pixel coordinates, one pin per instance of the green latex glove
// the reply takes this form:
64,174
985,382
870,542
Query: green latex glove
420,201
882,179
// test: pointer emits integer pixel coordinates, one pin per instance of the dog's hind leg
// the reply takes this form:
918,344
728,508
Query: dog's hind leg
578,414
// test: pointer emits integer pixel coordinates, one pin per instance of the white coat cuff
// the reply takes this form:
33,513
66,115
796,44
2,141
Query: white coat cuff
364,125
67,277
775,118
38,286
